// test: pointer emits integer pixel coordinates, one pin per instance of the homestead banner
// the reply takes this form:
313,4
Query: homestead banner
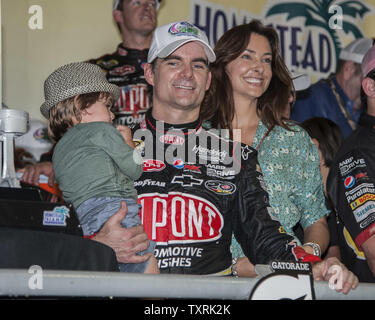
311,33
40,35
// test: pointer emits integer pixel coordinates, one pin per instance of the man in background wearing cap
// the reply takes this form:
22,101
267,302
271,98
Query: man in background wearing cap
136,20
351,185
337,97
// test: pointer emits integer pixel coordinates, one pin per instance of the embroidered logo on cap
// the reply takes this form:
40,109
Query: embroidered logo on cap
183,29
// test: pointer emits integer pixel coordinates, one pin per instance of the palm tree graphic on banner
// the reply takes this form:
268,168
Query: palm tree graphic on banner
319,13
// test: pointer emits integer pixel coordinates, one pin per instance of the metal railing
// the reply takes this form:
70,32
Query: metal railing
19,283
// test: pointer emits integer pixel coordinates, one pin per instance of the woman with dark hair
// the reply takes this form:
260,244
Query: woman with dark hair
327,137
249,92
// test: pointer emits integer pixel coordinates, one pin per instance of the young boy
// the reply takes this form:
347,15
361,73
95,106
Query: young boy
95,165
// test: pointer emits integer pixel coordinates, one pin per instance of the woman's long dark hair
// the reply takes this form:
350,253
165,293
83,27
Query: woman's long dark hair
218,105
328,134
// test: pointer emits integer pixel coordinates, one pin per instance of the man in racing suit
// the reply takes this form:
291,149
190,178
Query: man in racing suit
124,67
194,193
197,187
351,185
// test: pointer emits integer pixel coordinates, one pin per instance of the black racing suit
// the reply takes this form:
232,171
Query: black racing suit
351,188
196,189
124,68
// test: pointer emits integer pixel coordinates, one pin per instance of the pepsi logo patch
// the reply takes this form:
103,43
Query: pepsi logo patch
349,182
179,163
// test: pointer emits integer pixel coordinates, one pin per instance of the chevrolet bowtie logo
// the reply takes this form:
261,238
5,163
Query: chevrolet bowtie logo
187,180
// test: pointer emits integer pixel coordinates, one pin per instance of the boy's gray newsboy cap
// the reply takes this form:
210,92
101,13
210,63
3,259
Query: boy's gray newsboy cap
73,79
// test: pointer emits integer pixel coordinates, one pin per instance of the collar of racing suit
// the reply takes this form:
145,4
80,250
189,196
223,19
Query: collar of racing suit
367,121
163,127
134,54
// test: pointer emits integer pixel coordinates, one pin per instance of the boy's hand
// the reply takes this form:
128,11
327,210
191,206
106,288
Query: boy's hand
126,134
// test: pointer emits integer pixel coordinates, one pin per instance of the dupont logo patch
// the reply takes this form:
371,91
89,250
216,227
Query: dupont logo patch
180,218
178,163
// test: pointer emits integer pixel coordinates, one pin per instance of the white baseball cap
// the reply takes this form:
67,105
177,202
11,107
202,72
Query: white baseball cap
356,50
117,2
172,36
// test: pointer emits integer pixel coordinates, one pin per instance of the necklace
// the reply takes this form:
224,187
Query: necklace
341,105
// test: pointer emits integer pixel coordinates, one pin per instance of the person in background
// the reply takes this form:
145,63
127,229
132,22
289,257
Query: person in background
338,97
351,184
328,138
301,81
250,90
136,21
